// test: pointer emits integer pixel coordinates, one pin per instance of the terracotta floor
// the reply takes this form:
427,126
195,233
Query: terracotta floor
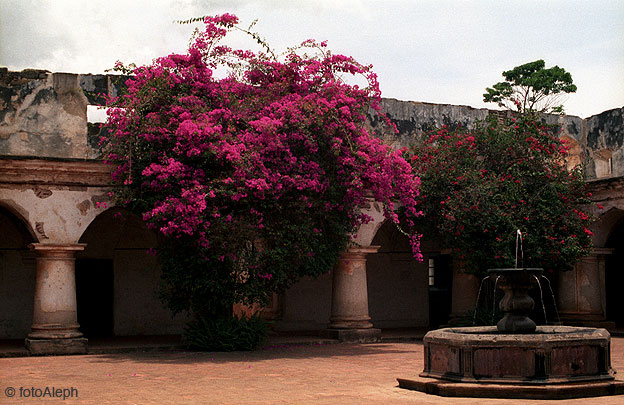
282,373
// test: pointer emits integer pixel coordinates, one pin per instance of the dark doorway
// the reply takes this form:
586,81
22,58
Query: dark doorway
397,284
440,289
614,276
17,276
94,296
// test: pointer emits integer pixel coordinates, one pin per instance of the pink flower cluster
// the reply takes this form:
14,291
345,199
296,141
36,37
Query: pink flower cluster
200,151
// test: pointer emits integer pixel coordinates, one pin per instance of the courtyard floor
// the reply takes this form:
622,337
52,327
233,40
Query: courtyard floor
317,372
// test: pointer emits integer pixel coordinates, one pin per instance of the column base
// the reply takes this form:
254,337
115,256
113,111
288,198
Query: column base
56,346
55,331
368,335
362,323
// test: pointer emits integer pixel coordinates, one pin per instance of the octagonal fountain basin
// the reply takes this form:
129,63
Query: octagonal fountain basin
550,355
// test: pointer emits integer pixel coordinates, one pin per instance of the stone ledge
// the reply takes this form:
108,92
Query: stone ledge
90,173
56,346
558,391
367,335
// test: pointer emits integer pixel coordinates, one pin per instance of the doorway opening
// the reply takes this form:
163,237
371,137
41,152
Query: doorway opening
440,272
614,276
94,296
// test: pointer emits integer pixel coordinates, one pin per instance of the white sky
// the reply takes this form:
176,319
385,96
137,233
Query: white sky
439,51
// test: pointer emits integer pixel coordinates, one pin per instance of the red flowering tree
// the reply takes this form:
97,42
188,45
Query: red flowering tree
480,187
255,178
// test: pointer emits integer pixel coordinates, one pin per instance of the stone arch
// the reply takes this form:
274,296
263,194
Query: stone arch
121,228
366,233
118,279
19,213
605,225
17,273
96,206
397,283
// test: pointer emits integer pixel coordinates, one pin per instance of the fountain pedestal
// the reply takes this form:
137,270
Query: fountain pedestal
516,304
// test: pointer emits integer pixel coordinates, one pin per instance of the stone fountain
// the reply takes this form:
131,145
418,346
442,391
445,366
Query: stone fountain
516,358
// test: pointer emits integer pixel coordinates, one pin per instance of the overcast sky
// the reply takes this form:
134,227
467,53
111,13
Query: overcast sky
434,51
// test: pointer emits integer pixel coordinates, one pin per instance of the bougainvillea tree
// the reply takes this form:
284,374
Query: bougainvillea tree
480,187
256,177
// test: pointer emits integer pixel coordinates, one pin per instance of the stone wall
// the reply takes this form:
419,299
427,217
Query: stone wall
597,141
43,114
413,119
603,144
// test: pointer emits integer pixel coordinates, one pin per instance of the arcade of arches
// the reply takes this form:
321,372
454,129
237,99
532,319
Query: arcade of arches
69,268
89,274
73,268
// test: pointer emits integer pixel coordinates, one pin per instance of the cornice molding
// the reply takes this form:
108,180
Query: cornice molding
87,173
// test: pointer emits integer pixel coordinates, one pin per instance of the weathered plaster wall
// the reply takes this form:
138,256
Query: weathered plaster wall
603,144
44,114
58,200
413,119
597,141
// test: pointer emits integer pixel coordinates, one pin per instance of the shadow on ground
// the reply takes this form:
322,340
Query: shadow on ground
268,353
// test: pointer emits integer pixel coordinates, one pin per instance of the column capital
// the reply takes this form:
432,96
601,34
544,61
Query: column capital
57,247
58,251
361,250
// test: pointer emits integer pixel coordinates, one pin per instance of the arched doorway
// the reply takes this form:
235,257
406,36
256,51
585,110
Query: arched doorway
118,279
614,272
398,291
17,276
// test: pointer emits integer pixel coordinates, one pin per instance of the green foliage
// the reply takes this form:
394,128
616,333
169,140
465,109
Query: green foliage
195,283
479,188
226,334
531,88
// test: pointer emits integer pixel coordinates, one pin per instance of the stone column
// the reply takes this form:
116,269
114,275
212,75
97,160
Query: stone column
55,322
349,314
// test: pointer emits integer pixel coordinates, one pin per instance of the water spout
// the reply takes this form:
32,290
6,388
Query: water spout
474,316
541,298
519,239
494,299
552,294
